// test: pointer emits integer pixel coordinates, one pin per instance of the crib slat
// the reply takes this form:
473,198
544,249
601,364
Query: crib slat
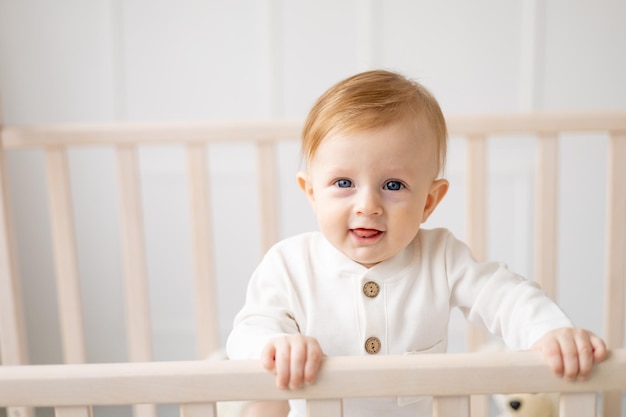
615,285
476,195
205,301
476,227
546,205
451,406
268,195
144,410
133,256
479,404
12,339
20,412
324,408
578,405
72,412
476,223
612,403
64,244
616,240
198,410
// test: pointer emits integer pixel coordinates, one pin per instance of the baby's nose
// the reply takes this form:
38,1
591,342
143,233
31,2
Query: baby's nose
368,202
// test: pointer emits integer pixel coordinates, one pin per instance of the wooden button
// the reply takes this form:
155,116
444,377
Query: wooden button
371,289
372,345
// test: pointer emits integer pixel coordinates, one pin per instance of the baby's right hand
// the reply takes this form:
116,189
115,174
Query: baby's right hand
294,359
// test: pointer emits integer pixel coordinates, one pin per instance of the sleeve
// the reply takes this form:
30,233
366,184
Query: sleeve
266,313
494,298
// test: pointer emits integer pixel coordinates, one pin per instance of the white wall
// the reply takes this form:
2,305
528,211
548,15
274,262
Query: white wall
86,61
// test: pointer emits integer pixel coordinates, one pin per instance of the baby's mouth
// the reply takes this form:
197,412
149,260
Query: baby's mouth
366,233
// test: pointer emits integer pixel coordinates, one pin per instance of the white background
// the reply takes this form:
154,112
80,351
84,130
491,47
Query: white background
160,60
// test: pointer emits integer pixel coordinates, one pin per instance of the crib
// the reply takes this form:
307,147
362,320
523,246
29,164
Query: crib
456,381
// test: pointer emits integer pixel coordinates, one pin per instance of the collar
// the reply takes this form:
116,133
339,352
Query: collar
338,264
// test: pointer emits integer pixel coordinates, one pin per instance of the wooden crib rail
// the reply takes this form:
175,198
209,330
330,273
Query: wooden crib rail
132,133
450,378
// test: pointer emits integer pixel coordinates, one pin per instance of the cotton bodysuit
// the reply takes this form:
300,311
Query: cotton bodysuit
399,306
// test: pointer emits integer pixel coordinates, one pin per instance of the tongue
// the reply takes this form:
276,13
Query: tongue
366,232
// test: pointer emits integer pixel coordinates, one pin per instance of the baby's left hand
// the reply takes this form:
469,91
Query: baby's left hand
571,352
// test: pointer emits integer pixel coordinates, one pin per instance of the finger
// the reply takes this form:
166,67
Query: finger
313,362
298,360
552,354
569,353
282,363
600,351
268,358
585,355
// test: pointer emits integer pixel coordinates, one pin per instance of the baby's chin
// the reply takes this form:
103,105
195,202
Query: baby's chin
366,261
367,265
367,256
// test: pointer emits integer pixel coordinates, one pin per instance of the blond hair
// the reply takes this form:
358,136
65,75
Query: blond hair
370,100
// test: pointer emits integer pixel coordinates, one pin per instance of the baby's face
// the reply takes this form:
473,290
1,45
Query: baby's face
371,190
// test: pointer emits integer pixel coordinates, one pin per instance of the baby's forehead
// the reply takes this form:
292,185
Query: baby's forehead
418,128
414,140
417,142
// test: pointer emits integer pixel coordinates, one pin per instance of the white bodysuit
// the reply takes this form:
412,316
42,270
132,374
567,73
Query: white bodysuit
401,305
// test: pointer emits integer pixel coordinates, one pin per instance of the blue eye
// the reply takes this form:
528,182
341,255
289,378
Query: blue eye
393,185
343,183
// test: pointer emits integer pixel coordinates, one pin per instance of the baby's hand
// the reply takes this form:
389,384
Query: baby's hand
294,359
570,352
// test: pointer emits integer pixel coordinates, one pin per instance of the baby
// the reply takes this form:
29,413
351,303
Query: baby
371,282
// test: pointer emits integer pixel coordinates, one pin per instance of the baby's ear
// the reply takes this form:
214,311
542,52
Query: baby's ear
304,181
438,190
